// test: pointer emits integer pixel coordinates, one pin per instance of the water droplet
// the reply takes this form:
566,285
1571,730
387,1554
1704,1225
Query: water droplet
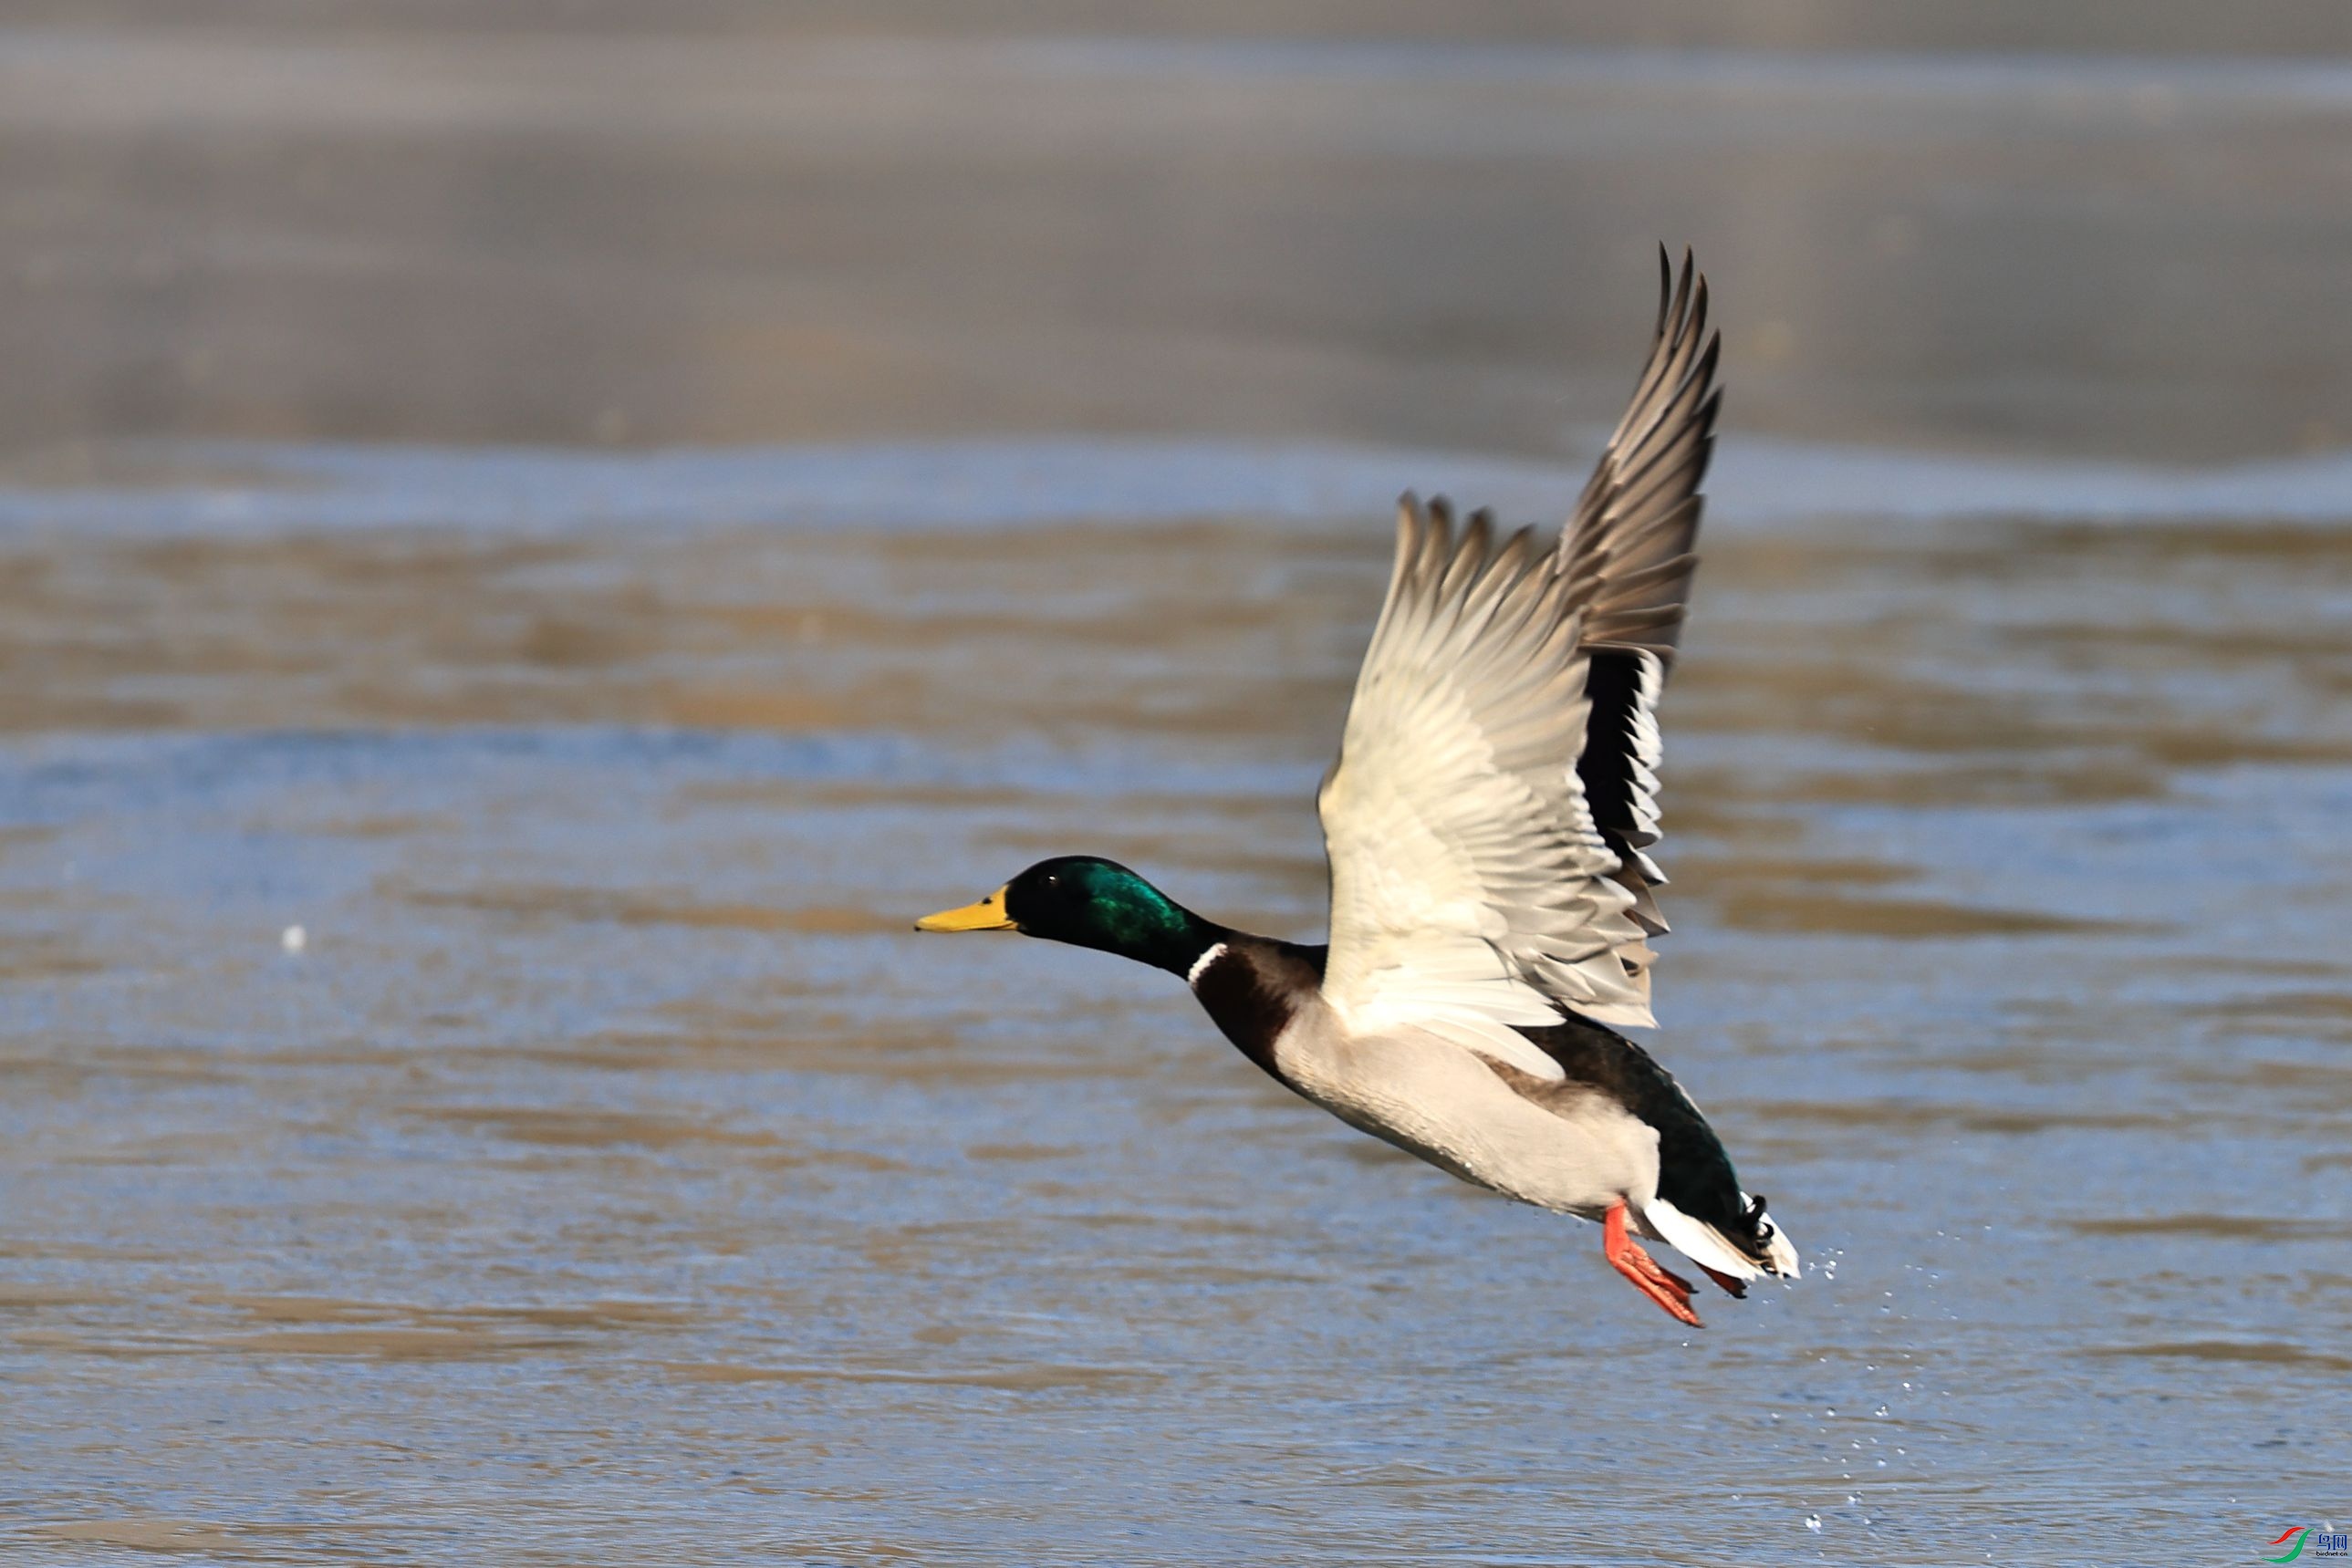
1880,1411
1813,1522
294,939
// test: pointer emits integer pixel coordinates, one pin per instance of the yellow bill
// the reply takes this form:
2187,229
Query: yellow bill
988,914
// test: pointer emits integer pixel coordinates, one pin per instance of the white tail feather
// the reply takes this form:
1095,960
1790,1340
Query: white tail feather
1703,1243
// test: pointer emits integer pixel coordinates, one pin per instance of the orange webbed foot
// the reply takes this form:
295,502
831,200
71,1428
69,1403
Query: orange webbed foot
1669,1290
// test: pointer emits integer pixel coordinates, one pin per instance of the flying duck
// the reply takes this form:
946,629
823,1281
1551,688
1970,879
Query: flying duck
1489,823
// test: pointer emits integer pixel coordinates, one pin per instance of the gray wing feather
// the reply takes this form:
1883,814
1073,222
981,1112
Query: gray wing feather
1626,551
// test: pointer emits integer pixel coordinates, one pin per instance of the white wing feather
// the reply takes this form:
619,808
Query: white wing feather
1470,889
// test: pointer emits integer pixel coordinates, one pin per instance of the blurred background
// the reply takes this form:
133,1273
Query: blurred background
535,538
725,221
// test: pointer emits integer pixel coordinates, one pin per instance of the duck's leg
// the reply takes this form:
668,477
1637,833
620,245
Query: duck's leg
1671,1291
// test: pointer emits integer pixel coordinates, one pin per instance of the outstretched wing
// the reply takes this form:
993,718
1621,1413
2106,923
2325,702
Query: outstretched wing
1471,890
1496,788
1627,556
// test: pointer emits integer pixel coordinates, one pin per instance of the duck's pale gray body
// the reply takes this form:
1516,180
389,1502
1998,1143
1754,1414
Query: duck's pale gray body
1582,1142
1574,1151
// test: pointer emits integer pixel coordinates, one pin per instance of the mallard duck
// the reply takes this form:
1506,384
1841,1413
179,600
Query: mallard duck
1489,823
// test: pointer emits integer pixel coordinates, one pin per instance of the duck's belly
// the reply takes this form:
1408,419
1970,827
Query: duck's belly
1578,1153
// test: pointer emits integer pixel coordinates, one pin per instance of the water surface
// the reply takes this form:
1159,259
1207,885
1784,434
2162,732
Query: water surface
614,1164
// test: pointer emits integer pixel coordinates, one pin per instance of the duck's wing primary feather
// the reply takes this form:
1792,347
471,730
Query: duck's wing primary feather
1471,890
1626,554
1626,551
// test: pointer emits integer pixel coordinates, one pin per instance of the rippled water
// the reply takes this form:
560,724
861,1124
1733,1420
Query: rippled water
613,1163
608,1175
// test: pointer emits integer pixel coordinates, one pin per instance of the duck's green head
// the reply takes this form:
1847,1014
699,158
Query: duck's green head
1088,902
